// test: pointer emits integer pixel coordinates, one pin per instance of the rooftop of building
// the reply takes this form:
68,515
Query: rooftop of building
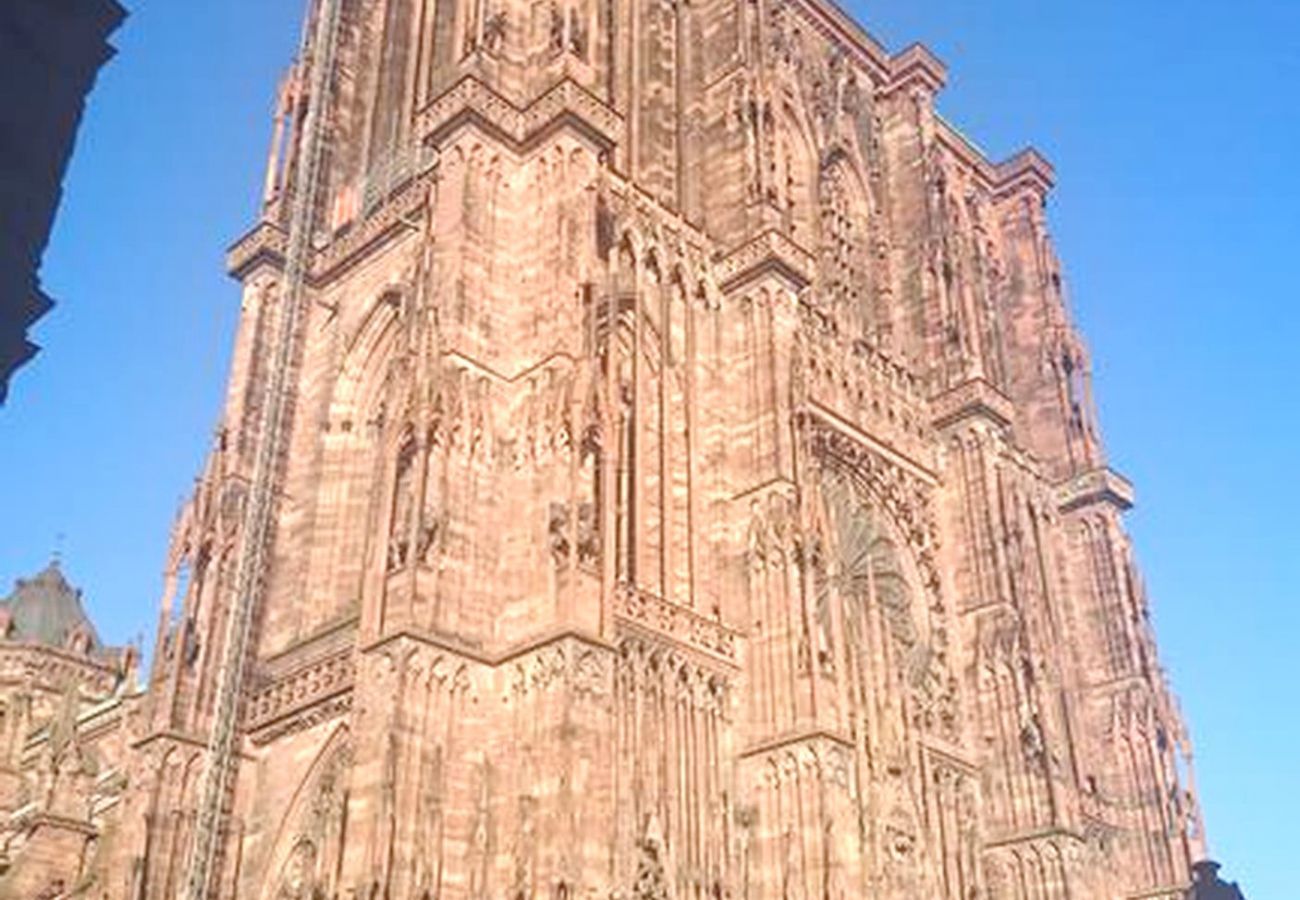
46,609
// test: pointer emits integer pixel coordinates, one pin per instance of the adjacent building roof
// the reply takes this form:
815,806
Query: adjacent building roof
50,52
46,609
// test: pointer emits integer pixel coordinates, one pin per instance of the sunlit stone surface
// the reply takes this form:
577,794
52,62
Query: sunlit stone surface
692,490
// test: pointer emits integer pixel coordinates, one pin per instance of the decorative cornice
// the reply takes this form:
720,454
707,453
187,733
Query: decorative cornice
1027,170
263,244
179,737
1033,835
478,655
829,754
950,755
567,103
916,66
655,615
308,717
977,398
831,431
1101,485
334,638
296,694
62,823
816,736
49,668
865,387
834,22
767,253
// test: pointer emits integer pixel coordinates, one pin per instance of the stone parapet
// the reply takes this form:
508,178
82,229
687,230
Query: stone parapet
645,611
51,668
868,388
1096,486
312,684
768,252
973,399
567,103
264,244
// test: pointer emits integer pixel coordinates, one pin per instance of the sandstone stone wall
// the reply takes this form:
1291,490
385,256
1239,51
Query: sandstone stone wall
694,489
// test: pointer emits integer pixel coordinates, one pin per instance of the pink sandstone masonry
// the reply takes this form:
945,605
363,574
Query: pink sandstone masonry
692,489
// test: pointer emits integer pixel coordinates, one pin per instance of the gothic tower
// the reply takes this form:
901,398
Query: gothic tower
657,463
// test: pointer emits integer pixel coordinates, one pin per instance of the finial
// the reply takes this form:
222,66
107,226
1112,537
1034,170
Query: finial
56,558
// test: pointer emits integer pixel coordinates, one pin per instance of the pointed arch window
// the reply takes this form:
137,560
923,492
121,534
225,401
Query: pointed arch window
845,286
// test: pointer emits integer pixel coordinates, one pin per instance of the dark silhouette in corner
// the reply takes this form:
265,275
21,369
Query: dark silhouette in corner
1207,885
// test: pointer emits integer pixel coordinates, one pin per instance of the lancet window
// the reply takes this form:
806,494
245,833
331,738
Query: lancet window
845,288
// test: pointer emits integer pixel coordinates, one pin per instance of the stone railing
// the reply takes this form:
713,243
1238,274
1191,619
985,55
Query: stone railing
1101,485
53,668
264,242
682,624
768,252
976,398
300,689
565,103
869,389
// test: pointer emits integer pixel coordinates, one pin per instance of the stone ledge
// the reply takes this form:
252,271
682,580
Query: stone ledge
916,66
60,822
328,640
566,103
662,618
973,399
265,243
389,217
306,686
815,736
1033,835
769,252
1029,170
1101,485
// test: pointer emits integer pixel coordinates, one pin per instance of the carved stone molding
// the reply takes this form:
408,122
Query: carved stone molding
569,663
303,719
1027,170
768,253
265,243
1096,486
644,610
565,104
866,387
649,662
973,399
914,67
829,758
387,220
311,693
53,667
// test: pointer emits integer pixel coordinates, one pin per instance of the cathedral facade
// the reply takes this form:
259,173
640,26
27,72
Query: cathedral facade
657,462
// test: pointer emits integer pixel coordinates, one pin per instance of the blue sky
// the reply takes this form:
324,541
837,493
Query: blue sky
1173,127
